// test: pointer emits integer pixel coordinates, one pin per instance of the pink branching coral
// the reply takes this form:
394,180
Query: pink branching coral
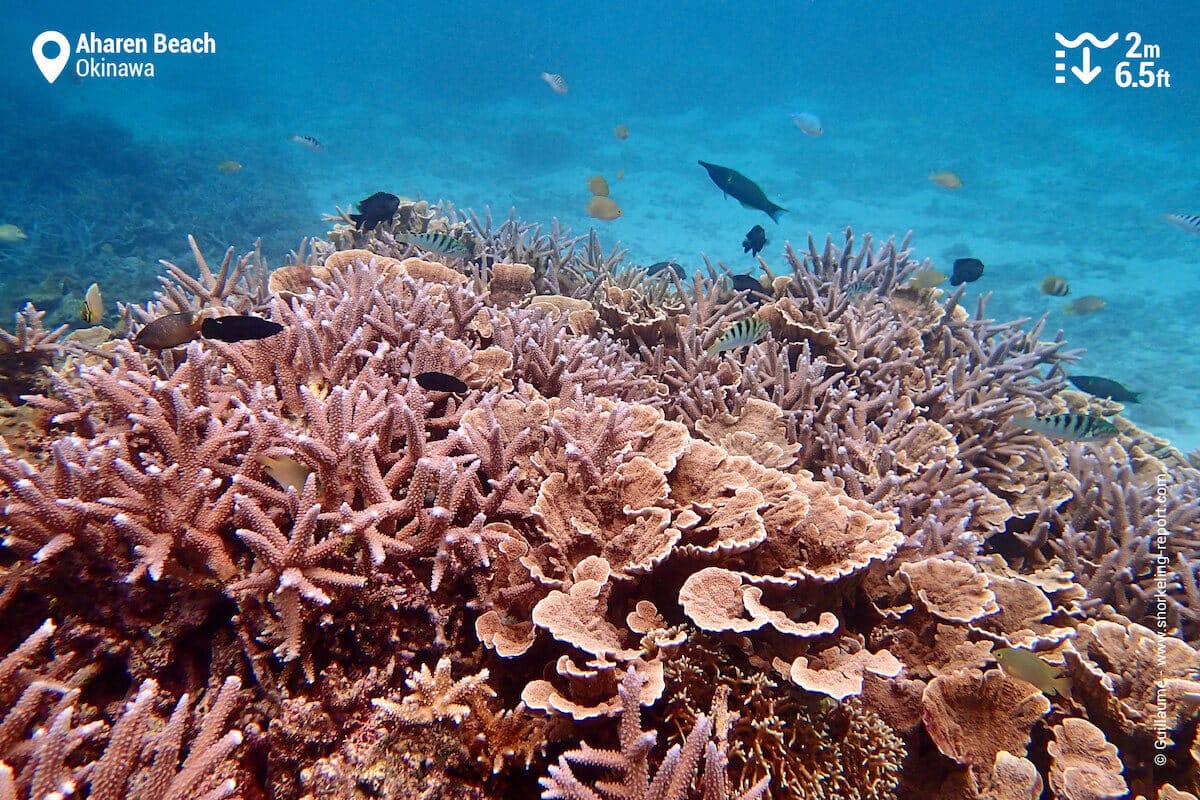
1130,539
121,760
675,775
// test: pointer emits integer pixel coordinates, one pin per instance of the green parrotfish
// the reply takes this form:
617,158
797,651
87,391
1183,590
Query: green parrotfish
736,185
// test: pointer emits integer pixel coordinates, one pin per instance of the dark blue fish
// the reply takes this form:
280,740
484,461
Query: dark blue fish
755,241
379,207
440,382
966,270
662,266
1103,387
746,283
238,328
736,185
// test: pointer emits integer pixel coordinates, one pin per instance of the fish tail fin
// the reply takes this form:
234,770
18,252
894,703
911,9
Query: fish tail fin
1024,422
1062,686
1068,309
1136,397
775,212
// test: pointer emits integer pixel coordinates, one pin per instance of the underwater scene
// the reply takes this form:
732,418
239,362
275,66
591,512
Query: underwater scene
600,401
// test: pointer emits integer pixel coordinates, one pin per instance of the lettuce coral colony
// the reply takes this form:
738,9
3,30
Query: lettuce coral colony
617,565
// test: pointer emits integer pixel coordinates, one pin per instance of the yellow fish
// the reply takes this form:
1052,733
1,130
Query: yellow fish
1026,666
598,186
927,279
603,208
228,166
286,471
11,233
1089,304
946,179
91,310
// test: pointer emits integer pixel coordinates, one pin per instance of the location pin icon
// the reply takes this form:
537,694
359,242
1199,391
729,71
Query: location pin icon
51,67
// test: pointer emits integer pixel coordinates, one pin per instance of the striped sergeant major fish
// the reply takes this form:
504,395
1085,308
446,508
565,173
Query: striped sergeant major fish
739,334
440,243
1187,222
307,141
556,82
1071,427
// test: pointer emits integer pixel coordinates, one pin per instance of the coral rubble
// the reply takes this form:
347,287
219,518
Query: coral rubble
616,565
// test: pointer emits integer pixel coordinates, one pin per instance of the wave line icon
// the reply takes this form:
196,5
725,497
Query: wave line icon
1086,36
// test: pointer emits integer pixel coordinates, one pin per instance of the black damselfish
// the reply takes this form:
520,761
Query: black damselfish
238,328
440,382
379,207
966,270
755,294
755,241
745,283
736,185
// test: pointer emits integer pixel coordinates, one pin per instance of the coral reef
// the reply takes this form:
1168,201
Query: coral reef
101,204
310,577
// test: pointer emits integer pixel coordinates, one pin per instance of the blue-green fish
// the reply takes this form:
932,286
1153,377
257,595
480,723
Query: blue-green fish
739,334
736,185
858,289
1072,427
440,243
1104,387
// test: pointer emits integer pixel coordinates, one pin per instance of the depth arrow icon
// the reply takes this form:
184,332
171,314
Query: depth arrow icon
1087,73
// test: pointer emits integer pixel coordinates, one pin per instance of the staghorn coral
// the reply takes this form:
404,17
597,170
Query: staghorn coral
899,397
1130,539
288,569
24,352
672,779
113,756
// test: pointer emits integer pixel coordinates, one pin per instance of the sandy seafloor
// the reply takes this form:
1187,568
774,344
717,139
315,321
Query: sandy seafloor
1058,180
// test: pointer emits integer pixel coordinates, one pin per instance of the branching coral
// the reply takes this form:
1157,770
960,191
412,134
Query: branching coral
675,775
117,760
1129,538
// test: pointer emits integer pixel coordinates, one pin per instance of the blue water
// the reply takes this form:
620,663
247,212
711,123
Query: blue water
107,175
